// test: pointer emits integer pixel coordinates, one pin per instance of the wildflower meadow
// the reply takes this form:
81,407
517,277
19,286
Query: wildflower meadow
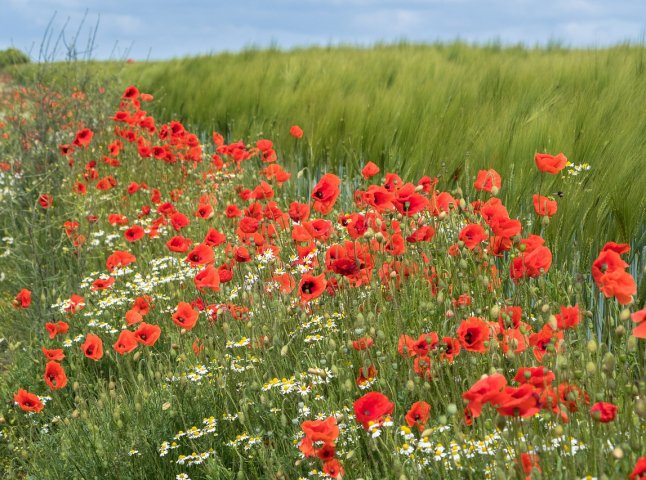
178,303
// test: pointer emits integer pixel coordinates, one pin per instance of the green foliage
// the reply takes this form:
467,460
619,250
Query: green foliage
12,56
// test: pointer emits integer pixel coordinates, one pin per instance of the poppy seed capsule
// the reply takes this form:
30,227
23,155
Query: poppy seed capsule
640,408
592,346
609,363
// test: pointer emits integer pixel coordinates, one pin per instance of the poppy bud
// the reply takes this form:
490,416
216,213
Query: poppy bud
640,408
609,363
592,346
591,368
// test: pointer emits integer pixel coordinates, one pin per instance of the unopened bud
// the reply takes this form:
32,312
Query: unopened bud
592,346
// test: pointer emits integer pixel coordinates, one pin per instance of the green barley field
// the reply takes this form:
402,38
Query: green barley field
192,290
448,110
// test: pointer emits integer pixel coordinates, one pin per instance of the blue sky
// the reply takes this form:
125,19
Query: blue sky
164,28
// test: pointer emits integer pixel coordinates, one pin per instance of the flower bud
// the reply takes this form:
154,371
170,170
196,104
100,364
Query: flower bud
592,346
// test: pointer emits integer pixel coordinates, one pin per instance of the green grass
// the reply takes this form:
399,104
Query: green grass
445,110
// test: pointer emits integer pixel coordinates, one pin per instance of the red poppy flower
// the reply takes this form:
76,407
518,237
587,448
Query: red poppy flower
619,248
618,284
147,334
126,342
569,317
326,452
45,200
549,163
179,244
450,348
22,299
28,401
424,233
179,220
369,170
117,219
639,318
425,343
92,347
418,415
134,233
488,180
472,235
543,339
372,408
505,227
603,412
242,255
486,390
510,317
55,328
408,202
639,472
321,430
332,468
131,92
185,316
311,287
518,401
325,193
214,238
200,255
473,333
142,305
119,259
362,343
55,375
102,284
529,462
318,435
544,206
83,137
55,354
406,346
296,131
531,263
539,377
571,396
208,279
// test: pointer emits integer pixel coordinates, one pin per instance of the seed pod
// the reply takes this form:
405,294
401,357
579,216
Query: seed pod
592,346
609,363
